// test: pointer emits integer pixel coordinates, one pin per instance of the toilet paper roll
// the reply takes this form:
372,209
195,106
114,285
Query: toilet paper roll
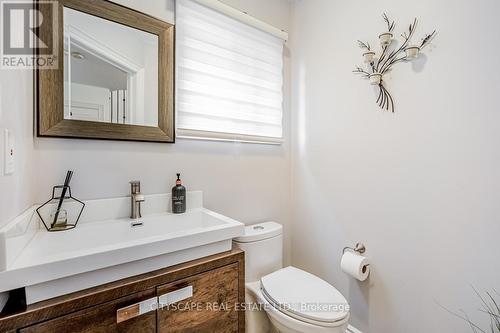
355,265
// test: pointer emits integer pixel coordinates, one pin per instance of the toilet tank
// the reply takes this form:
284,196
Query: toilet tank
263,246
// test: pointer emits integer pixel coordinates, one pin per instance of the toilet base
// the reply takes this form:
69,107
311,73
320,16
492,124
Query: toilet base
256,321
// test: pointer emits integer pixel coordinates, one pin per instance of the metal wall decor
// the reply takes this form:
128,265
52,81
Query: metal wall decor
378,66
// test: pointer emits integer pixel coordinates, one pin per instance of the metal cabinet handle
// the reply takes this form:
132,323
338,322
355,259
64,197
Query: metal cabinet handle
135,310
175,296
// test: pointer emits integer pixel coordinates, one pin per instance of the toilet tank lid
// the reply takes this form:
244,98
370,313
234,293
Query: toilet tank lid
260,231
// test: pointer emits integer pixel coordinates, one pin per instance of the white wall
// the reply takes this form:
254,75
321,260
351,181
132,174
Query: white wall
244,181
16,114
421,187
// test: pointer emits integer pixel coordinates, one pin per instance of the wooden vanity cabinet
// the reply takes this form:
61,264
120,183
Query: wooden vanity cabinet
196,297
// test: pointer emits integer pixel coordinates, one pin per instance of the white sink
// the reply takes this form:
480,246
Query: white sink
98,251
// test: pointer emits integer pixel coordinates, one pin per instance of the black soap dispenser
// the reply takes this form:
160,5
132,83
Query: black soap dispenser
178,197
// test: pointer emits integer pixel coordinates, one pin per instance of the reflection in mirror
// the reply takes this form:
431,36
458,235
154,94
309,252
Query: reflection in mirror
110,71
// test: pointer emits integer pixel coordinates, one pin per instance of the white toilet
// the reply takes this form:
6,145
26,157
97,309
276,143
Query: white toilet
295,301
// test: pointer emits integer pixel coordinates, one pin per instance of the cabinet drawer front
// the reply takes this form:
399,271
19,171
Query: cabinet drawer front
124,315
211,308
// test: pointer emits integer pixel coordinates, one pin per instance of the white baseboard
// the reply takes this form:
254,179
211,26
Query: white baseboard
351,329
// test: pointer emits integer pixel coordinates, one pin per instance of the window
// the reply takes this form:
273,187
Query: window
229,77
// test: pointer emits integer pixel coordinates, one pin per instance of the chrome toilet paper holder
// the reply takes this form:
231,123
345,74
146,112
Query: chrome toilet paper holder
360,248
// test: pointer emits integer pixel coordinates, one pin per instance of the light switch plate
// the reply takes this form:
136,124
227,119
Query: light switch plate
9,152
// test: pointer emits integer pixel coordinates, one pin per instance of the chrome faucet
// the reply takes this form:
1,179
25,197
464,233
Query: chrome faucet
137,197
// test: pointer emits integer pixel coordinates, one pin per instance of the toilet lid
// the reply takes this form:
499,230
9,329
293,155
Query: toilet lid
304,296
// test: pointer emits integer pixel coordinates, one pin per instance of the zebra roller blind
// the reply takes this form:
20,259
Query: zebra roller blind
229,77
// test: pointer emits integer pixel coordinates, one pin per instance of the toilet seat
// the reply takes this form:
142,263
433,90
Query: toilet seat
285,323
304,297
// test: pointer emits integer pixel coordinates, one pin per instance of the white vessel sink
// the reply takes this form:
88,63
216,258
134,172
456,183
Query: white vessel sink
55,263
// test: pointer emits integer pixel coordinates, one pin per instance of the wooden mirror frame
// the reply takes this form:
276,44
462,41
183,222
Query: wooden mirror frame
50,82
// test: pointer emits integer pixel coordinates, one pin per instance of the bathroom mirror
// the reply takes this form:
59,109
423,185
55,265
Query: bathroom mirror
114,78
110,71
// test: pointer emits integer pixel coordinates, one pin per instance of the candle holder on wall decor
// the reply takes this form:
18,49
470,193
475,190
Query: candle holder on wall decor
62,211
376,67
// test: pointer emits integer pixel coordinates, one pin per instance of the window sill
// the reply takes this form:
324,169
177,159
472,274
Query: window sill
226,137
